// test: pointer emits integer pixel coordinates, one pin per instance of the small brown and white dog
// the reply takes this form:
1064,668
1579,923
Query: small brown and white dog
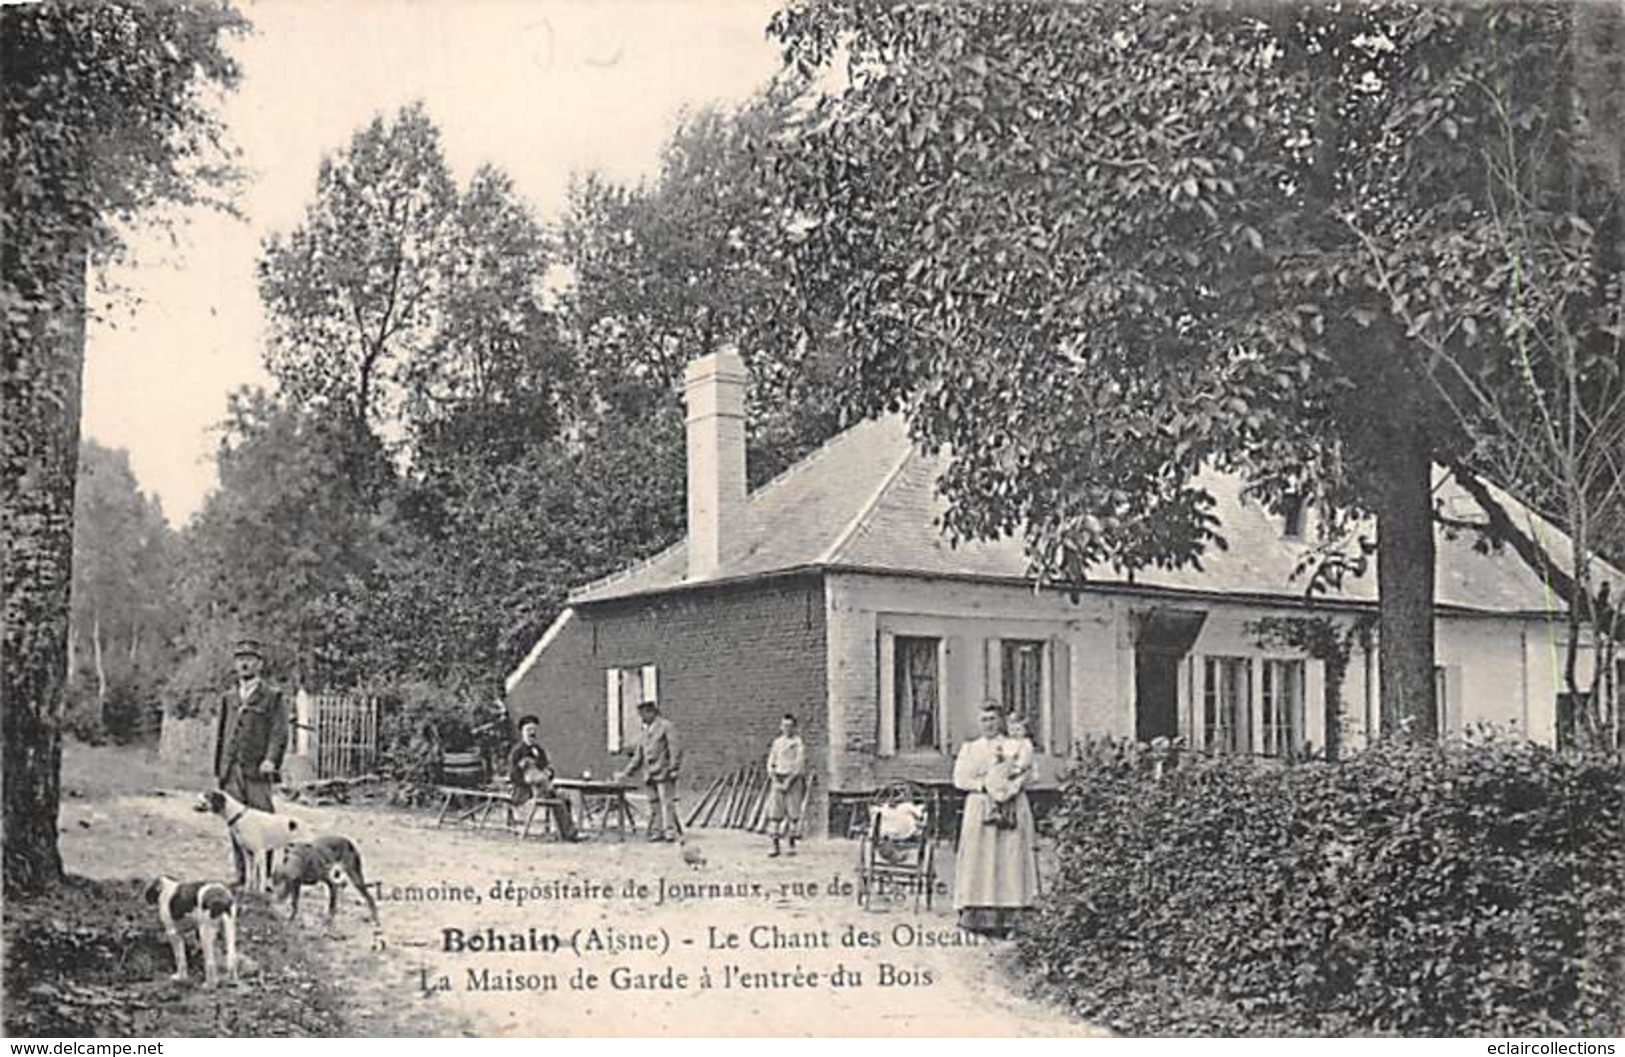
211,907
256,832
327,860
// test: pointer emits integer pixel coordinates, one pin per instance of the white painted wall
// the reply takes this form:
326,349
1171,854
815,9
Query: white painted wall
866,613
1500,671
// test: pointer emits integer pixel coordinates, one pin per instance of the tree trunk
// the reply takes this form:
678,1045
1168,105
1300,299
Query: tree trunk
42,394
1406,564
96,651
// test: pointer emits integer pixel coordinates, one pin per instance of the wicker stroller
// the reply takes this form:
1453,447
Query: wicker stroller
896,852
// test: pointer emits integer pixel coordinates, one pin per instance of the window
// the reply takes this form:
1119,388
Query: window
624,690
1227,704
916,693
1022,674
1283,707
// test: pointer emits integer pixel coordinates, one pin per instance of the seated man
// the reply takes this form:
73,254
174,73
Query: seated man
531,776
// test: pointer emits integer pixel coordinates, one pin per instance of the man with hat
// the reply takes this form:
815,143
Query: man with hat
660,757
252,737
531,775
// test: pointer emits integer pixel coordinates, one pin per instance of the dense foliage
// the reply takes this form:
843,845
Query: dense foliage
474,412
1439,890
108,111
125,611
1094,247
702,256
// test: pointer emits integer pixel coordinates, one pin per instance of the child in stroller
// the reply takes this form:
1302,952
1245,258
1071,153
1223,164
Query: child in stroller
898,821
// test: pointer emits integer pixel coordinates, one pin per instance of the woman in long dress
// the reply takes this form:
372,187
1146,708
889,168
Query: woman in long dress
996,873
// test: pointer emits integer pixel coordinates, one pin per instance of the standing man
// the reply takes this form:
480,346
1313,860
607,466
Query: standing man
660,757
253,736
787,784
530,775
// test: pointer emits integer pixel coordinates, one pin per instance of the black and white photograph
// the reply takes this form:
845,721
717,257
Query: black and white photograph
813,518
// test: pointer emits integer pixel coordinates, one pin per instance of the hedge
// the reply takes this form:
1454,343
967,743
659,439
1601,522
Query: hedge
1411,890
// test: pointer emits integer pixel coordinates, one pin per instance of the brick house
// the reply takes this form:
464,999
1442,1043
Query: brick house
830,593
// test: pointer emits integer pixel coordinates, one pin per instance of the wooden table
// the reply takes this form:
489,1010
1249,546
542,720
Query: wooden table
601,800
478,805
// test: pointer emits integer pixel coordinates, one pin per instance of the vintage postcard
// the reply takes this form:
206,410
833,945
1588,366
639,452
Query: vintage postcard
814,518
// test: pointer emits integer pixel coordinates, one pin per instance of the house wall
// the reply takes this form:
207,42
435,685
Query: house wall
1498,670
1226,634
863,610
1545,655
1502,673
730,662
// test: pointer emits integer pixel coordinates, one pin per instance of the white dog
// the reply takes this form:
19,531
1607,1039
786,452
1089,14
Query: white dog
212,908
256,832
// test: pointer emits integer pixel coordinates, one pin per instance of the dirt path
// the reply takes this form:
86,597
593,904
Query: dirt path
929,990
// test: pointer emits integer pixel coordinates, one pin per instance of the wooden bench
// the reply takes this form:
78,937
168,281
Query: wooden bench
471,805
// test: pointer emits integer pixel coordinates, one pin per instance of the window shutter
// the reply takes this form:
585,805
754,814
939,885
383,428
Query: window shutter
1199,690
1252,707
1313,703
651,684
612,708
1060,698
886,677
953,686
993,675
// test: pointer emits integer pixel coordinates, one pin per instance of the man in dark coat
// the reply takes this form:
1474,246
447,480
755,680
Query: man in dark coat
530,775
252,737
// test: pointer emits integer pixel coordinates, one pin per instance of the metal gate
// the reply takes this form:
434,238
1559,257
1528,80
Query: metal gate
345,733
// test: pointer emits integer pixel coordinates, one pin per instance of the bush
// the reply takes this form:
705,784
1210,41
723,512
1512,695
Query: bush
419,721
1411,890
82,715
132,710
129,713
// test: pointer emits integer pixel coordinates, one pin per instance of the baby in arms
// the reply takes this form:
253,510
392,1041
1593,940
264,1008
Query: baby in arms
1012,764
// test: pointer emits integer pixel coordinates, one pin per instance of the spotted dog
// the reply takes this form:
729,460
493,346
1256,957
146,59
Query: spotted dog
209,905
256,832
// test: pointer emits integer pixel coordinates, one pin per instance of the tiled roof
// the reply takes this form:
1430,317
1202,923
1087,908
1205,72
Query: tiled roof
867,501
793,521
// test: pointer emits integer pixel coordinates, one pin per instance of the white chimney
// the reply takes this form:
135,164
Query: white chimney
714,390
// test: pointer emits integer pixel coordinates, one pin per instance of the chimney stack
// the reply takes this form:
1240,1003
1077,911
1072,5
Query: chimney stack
714,390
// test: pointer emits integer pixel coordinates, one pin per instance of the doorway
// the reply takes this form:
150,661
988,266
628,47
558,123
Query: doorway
1162,638
1156,694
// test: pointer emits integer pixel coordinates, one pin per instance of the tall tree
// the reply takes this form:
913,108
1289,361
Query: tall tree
420,312
669,270
460,607
351,293
124,612
1094,247
1514,312
287,547
108,109
493,378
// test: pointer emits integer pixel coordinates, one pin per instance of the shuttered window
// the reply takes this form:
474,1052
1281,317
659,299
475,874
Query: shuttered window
624,690
1227,704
